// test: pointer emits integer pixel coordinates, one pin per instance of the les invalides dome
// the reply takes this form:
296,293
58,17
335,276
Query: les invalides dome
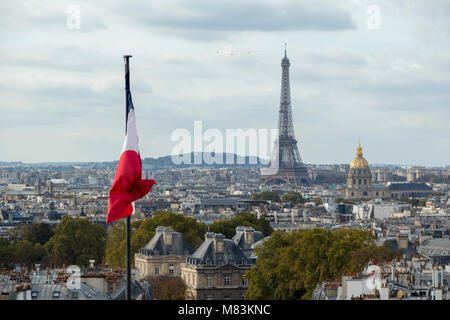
359,177
359,161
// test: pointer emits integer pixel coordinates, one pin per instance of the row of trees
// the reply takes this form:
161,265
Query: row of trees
73,241
267,195
290,265
293,197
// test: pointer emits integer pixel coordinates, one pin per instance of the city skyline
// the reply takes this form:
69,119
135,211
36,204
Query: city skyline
63,88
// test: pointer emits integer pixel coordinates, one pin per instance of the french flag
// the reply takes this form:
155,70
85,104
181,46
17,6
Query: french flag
128,185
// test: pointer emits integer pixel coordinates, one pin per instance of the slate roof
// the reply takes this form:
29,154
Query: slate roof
206,254
137,292
239,239
412,186
437,243
157,246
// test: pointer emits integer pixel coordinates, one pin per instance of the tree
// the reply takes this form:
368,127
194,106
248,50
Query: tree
290,265
39,233
76,241
246,219
6,253
342,200
267,195
293,197
167,287
27,253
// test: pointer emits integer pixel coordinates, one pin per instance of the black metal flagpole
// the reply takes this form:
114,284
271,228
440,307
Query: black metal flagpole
128,228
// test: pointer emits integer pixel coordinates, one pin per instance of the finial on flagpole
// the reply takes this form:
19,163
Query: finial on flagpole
285,45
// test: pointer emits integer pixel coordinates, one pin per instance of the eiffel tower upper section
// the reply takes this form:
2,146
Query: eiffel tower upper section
289,154
285,126
285,156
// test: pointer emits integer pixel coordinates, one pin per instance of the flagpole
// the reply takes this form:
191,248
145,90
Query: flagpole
128,219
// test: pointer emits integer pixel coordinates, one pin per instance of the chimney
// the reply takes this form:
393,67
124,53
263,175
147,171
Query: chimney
167,234
219,243
159,229
249,235
209,235
402,241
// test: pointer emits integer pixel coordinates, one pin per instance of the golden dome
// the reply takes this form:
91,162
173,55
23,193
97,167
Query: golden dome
359,161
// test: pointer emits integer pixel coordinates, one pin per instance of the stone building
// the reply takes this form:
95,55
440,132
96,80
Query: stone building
359,178
163,254
216,270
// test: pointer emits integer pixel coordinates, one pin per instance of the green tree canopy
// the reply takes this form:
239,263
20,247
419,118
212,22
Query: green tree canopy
290,265
246,219
39,233
6,253
293,197
267,195
342,200
76,241
27,253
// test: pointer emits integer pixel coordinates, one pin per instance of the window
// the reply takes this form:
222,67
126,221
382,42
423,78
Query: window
359,181
171,269
56,294
365,181
244,281
209,280
157,269
354,181
226,279
208,297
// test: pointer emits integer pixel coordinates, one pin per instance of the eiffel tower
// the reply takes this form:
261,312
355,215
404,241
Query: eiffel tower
286,165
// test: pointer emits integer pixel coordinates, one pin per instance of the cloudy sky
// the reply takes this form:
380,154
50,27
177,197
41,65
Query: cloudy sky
384,80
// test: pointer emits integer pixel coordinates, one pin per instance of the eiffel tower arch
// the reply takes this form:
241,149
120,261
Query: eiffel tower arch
286,166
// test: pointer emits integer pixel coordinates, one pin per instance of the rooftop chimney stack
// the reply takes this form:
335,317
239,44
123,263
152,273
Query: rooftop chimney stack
167,234
209,235
219,243
249,235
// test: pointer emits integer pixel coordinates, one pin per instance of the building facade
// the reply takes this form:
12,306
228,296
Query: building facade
216,270
163,254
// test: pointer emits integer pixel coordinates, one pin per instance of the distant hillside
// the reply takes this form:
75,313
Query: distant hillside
166,161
